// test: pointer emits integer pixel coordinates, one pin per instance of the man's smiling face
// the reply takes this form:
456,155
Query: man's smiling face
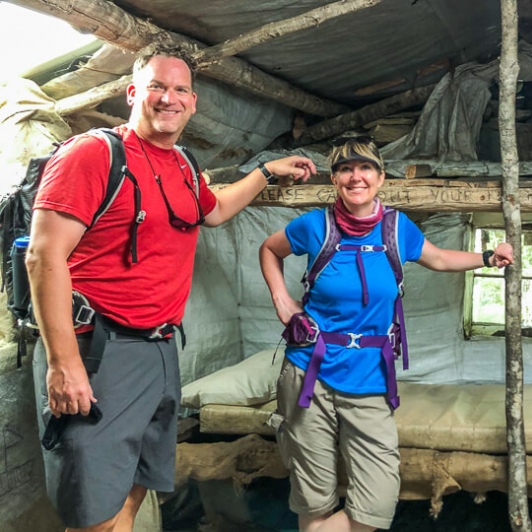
162,99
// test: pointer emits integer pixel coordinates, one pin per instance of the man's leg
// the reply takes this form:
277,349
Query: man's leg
94,464
123,521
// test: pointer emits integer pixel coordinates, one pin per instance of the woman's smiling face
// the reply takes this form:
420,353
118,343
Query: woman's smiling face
357,183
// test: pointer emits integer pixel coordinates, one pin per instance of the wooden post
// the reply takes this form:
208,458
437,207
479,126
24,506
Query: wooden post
508,71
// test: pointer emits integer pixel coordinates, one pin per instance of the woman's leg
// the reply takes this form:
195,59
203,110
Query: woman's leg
369,446
308,443
337,522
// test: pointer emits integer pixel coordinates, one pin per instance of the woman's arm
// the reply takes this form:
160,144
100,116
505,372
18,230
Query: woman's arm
271,255
449,260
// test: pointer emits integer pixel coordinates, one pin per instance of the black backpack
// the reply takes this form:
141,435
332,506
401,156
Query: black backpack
16,213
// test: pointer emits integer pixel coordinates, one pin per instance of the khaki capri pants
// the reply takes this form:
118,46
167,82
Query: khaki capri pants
361,427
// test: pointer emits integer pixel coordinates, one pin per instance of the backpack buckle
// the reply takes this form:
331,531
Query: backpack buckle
353,343
82,312
391,338
401,289
83,316
394,337
312,337
141,216
161,331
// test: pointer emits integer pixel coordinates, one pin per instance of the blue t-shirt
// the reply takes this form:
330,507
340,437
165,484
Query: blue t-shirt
335,301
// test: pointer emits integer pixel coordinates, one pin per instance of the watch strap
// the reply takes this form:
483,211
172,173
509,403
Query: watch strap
486,257
267,174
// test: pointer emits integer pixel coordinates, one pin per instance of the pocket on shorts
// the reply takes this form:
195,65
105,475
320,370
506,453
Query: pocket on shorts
277,422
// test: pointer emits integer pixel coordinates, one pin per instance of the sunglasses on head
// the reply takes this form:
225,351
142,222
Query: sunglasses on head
360,139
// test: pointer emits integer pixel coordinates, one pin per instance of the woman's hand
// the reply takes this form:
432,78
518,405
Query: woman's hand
503,255
286,309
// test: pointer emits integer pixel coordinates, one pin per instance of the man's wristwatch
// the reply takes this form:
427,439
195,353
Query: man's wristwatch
486,257
267,174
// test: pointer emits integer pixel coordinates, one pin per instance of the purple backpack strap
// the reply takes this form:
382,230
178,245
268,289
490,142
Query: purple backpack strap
328,249
390,238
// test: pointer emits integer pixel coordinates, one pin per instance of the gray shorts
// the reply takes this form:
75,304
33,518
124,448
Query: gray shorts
360,427
91,471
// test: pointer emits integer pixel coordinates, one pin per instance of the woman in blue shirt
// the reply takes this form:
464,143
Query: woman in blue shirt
350,412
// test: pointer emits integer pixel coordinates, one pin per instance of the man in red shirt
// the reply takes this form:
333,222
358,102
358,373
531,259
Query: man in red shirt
98,474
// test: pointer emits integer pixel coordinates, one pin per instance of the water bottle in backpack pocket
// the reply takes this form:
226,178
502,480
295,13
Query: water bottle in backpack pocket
21,285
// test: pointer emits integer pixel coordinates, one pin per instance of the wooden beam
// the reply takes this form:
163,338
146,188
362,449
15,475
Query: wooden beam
483,169
427,195
106,65
107,21
92,97
425,473
369,113
479,172
371,90
274,30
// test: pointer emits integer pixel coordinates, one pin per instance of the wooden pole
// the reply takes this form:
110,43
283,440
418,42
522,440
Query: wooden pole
508,71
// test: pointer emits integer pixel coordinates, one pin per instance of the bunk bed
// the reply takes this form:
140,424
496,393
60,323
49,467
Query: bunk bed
451,436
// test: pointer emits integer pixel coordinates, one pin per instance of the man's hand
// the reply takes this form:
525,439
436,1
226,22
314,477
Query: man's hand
294,166
69,390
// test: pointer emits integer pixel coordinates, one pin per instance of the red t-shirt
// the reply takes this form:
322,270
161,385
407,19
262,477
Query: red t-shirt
154,290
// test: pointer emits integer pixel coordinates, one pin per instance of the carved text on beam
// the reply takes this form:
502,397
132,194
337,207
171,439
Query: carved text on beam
414,198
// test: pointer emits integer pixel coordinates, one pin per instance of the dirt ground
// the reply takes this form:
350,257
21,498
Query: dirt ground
263,507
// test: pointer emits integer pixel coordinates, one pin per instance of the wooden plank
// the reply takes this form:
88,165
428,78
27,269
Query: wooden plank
436,195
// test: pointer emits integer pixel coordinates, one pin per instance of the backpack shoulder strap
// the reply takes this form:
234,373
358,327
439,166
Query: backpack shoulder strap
117,160
326,252
390,234
390,238
193,165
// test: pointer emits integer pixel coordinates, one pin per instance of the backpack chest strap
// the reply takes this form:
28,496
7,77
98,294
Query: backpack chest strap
360,249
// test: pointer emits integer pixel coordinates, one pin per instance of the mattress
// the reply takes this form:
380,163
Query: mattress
445,417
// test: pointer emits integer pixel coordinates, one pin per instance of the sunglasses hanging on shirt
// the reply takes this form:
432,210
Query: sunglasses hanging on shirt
172,191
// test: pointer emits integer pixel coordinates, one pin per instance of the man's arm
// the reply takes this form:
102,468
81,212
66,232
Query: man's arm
53,237
235,197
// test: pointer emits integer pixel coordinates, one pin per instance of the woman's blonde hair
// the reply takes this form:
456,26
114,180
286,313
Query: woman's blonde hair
353,148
